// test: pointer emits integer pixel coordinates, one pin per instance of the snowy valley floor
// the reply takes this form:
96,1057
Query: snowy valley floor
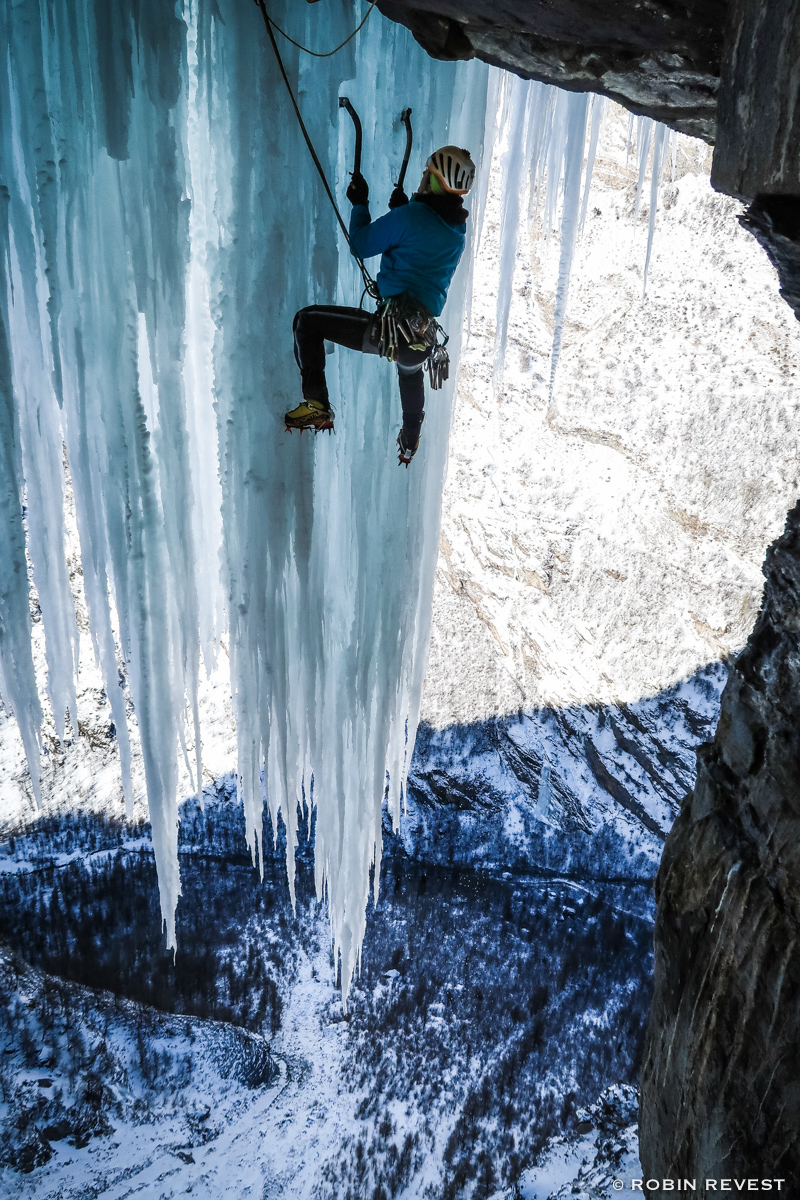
491,1012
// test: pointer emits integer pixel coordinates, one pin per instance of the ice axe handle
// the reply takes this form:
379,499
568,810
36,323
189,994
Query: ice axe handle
405,117
345,103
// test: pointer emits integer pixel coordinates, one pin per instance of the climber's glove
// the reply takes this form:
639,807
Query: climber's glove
358,190
398,198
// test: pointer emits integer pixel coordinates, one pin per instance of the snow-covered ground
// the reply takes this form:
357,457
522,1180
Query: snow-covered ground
605,544
197,1128
603,1148
455,1057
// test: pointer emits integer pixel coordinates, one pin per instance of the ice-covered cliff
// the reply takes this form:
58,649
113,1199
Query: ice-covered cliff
161,224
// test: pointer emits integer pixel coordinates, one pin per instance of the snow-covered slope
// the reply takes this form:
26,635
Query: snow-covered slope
600,547
590,790
105,1097
489,1009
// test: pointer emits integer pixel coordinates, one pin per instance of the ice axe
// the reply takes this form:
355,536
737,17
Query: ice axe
398,196
345,103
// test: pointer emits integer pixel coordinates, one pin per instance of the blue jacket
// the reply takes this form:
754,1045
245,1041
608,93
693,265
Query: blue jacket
419,250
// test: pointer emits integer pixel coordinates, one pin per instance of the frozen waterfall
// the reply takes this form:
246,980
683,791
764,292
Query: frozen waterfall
160,223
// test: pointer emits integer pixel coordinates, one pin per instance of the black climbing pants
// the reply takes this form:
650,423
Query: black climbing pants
351,327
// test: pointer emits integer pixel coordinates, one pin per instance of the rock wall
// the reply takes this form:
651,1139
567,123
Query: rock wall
720,1092
757,150
656,58
758,132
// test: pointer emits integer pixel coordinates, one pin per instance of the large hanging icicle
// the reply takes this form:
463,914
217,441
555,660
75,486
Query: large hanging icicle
575,107
329,626
160,225
661,145
544,135
17,675
515,163
599,108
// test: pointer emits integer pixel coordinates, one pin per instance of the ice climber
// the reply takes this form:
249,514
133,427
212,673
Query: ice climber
420,244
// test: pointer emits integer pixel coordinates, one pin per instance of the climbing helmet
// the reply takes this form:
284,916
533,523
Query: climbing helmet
454,169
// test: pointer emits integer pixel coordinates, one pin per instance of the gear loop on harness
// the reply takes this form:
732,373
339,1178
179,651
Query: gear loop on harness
404,320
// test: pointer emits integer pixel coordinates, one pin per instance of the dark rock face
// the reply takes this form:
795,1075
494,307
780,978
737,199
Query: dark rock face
656,57
757,149
720,1092
774,222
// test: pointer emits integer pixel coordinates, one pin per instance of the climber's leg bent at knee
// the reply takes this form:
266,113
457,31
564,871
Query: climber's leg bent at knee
313,327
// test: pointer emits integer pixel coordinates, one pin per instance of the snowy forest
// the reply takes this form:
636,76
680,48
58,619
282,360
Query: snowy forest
333,793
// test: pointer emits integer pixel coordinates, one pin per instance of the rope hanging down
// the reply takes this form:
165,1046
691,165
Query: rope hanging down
336,49
370,285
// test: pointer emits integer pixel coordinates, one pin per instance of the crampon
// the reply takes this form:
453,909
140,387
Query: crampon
310,414
407,447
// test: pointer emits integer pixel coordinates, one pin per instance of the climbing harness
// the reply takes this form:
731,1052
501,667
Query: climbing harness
402,321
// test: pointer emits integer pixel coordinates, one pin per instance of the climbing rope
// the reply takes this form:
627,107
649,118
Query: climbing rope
328,53
370,286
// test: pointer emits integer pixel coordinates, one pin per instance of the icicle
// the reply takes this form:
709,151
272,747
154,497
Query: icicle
599,106
643,140
330,561
479,194
556,152
513,168
17,676
629,140
40,433
539,133
577,107
660,150
673,141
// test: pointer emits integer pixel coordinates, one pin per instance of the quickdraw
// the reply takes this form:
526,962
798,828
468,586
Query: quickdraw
438,362
402,321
